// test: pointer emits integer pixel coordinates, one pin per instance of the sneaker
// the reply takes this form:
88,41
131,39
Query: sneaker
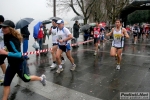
44,80
95,53
2,78
63,62
73,67
118,67
59,70
53,65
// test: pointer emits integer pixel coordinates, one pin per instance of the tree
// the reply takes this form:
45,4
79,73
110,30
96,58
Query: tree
139,16
79,7
114,7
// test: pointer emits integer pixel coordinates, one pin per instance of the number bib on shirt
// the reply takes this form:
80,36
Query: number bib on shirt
117,38
60,37
96,34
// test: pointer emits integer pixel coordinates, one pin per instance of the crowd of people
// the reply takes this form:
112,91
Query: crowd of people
139,32
11,39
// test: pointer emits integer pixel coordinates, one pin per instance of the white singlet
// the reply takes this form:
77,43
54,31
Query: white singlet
54,35
118,40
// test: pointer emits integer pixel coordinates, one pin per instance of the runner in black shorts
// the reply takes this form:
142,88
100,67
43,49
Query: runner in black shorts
96,34
16,62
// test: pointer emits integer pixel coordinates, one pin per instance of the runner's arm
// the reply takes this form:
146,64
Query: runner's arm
125,33
109,34
68,38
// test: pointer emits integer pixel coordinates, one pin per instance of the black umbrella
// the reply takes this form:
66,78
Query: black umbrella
85,27
23,22
46,22
57,18
77,18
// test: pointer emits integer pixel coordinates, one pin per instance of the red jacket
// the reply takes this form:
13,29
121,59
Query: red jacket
40,34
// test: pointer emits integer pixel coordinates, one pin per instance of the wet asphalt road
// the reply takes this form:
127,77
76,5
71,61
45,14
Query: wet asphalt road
95,78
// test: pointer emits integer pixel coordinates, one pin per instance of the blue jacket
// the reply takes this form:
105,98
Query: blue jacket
36,29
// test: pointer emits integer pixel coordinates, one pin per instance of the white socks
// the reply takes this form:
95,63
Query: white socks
60,66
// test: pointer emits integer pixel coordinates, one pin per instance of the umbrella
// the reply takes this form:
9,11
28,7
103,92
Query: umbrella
46,22
85,27
57,18
77,18
36,29
92,24
23,22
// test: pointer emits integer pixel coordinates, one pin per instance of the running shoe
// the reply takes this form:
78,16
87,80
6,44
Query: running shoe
2,78
53,65
44,79
118,67
59,70
73,67
63,61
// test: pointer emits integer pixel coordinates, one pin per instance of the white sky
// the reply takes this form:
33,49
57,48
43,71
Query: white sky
37,9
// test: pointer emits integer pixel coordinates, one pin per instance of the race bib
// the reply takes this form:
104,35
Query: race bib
54,33
96,34
117,36
59,37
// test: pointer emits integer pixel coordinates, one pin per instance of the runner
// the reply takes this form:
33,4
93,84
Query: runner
96,33
118,41
63,36
2,57
136,31
102,35
17,64
53,32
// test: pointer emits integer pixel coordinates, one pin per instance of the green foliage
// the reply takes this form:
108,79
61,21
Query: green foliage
139,16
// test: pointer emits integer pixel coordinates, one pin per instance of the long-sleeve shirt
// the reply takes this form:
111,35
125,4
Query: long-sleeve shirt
14,49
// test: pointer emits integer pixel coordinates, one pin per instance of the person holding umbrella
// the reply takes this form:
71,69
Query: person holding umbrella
25,34
22,24
76,28
17,63
38,34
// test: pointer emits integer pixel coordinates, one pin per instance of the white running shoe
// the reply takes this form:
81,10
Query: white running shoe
44,79
63,61
59,70
53,65
118,67
73,67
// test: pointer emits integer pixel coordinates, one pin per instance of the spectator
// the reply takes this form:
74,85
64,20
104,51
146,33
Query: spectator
25,34
76,28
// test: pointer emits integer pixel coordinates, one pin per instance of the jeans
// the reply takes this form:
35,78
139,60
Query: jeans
25,46
76,40
40,41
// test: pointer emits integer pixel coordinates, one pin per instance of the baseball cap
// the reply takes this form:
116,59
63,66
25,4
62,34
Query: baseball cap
60,22
8,23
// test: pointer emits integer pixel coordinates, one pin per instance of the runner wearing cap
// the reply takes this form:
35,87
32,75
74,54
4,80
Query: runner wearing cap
16,62
53,32
2,57
63,36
